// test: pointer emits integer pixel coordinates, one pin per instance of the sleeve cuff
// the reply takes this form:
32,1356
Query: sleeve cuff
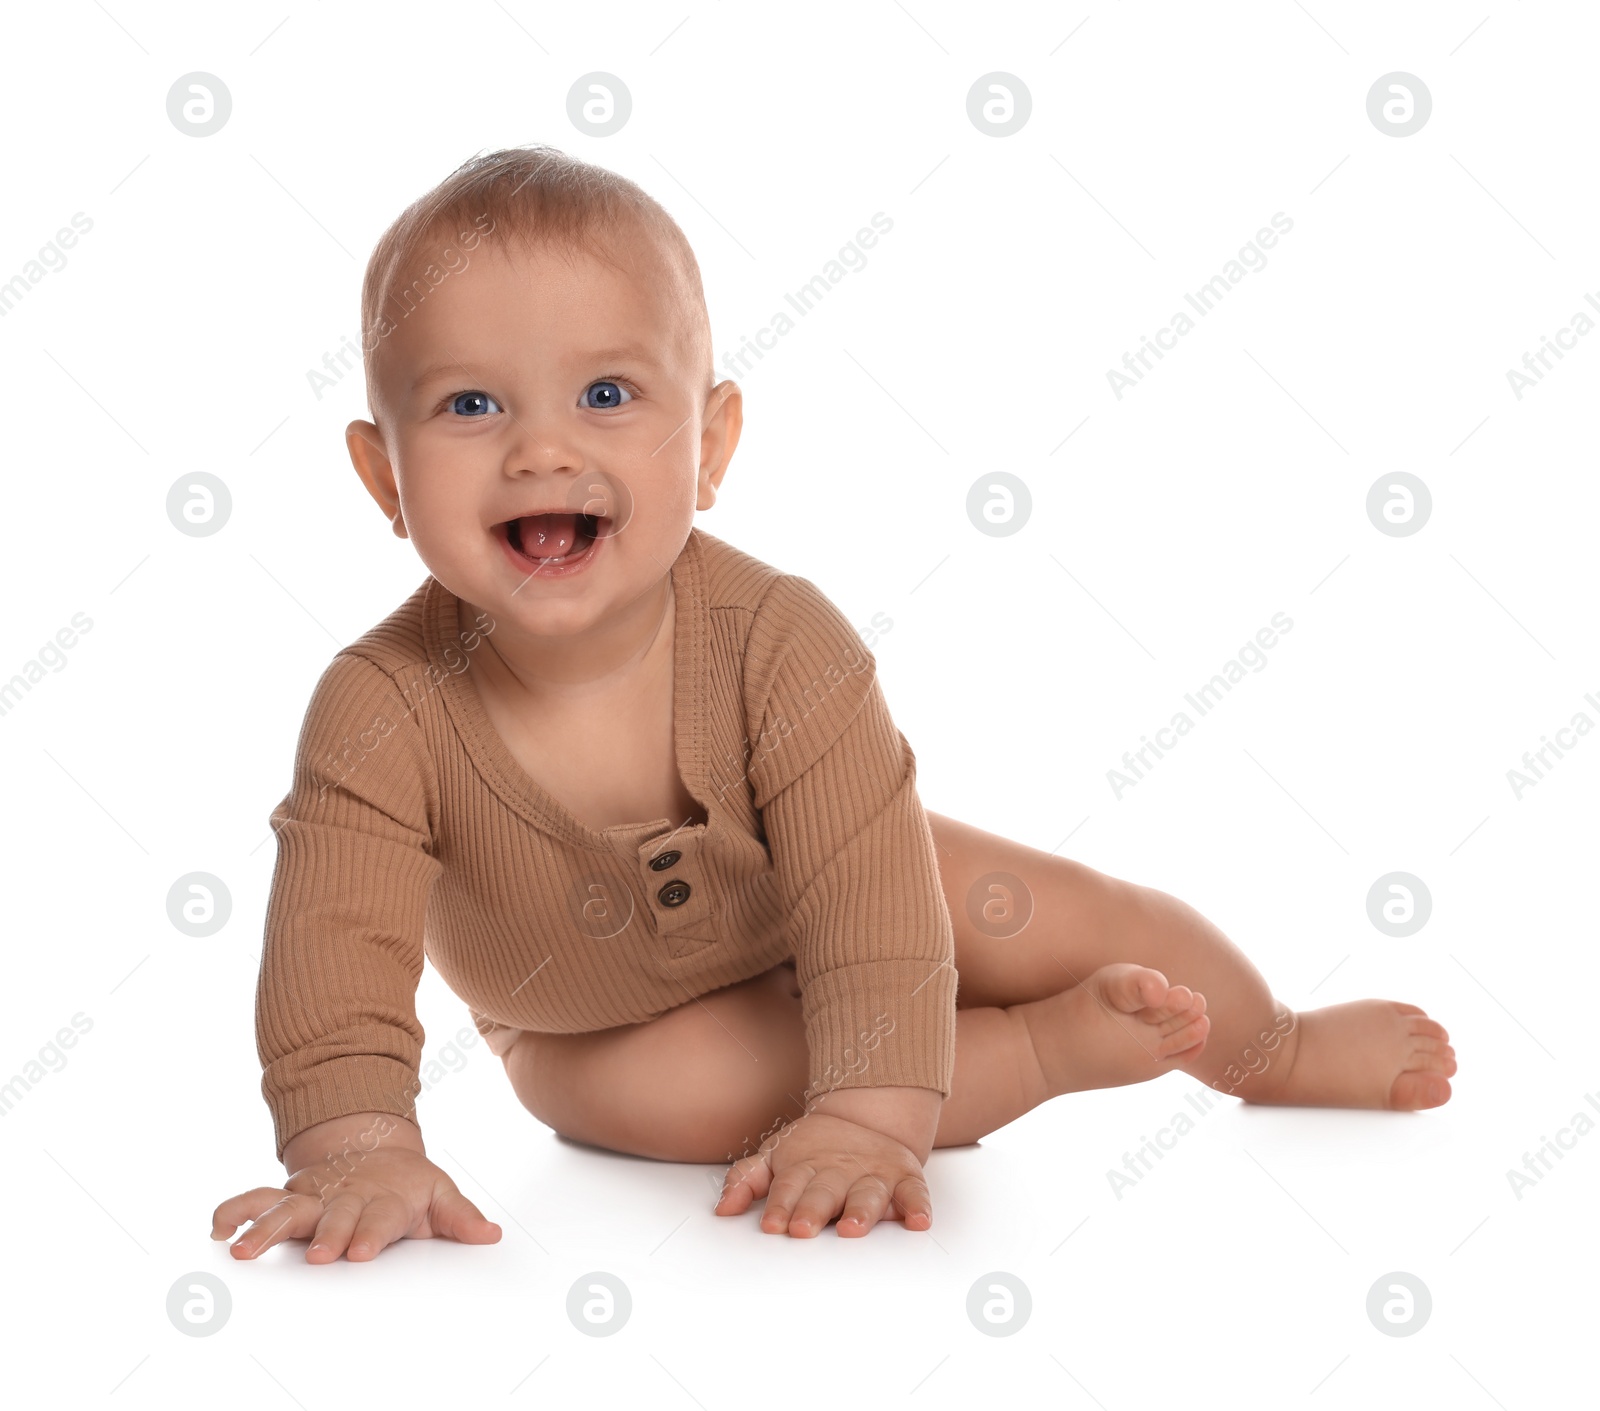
883,1023
362,1082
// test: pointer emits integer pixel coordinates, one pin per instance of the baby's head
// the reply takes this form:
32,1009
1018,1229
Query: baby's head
545,417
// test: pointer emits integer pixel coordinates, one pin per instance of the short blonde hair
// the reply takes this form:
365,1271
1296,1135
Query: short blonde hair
526,196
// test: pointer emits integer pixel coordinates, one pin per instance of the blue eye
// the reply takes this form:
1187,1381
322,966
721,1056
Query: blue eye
605,394
473,404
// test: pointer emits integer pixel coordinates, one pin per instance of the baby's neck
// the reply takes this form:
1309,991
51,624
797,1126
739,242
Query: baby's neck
569,669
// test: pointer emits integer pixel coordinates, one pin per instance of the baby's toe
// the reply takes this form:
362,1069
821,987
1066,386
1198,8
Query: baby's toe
1177,1005
1131,988
1171,1023
1432,1053
1435,1060
1191,1032
1418,1088
1180,1000
1418,1021
1423,1027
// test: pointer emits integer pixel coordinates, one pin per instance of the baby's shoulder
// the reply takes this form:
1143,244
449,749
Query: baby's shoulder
397,645
784,624
736,581
379,674
733,580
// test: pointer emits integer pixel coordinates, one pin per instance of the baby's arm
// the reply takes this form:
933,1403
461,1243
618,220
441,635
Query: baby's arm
336,1025
874,948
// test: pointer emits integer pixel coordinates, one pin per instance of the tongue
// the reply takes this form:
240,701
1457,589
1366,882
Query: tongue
548,536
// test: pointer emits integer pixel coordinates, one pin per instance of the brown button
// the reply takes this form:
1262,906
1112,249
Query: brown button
664,861
674,894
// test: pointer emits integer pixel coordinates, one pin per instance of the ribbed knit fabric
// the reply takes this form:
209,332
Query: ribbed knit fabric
410,829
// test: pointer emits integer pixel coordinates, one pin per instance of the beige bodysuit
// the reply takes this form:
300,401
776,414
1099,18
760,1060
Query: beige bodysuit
410,829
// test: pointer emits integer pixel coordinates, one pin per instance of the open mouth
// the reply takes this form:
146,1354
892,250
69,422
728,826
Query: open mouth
546,543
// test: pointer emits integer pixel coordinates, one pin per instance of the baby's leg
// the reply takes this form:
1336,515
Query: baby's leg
706,1081
1369,1053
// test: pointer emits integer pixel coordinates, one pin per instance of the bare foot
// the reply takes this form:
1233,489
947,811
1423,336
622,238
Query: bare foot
1368,1053
1123,1024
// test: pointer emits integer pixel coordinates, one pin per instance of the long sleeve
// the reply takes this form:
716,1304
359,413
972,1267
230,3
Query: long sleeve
336,1024
835,782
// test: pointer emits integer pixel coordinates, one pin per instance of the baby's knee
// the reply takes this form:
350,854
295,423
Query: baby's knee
725,1087
704,1079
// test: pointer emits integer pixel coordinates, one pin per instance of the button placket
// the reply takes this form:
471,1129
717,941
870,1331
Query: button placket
681,904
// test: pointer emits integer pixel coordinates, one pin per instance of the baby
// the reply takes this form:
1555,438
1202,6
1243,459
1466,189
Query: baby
639,797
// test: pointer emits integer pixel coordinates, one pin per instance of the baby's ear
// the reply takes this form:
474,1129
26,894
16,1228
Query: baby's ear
371,460
719,436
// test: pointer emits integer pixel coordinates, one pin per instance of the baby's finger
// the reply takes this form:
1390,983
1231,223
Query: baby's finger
241,1209
822,1200
384,1221
746,1181
914,1204
332,1235
782,1196
864,1205
292,1218
454,1217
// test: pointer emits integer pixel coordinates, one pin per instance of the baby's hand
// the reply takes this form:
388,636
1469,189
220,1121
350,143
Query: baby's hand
394,1193
821,1165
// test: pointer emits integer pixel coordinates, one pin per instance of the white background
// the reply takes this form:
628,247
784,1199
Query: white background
1230,484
